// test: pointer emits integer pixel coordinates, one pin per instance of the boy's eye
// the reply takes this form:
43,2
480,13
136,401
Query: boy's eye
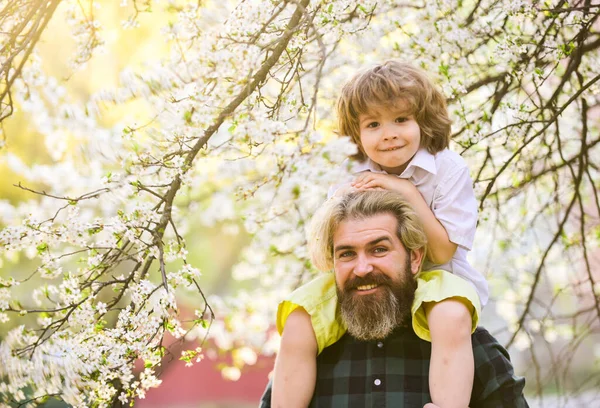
401,119
372,124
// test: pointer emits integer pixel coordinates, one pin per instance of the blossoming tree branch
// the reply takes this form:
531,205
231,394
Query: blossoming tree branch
239,133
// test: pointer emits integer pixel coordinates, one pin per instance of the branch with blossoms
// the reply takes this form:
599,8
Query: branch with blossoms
23,24
96,320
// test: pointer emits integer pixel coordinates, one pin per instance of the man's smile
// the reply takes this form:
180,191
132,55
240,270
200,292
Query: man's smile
366,289
367,285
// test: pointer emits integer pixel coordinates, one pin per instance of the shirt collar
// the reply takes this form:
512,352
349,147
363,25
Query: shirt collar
422,159
367,165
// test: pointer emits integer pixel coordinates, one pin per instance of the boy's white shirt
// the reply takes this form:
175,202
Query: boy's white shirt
444,182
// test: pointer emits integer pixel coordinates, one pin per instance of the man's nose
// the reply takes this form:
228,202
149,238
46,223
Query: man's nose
363,266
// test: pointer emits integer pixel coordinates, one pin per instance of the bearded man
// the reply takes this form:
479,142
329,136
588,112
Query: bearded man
375,245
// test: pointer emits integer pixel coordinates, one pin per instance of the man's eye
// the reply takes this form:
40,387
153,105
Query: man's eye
401,119
345,254
380,250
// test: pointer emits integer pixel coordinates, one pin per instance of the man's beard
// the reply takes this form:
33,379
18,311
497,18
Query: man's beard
375,316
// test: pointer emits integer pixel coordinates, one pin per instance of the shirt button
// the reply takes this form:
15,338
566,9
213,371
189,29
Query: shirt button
379,344
377,382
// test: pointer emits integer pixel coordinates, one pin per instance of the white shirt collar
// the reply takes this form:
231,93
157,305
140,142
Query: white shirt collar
422,159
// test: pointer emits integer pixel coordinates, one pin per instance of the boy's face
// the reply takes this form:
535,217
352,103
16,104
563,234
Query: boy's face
390,136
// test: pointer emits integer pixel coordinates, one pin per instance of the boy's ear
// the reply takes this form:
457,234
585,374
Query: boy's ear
416,259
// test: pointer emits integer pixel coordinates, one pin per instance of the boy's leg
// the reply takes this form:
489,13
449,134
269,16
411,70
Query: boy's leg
296,364
452,366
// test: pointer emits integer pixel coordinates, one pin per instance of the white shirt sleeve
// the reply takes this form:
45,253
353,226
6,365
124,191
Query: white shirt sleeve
455,206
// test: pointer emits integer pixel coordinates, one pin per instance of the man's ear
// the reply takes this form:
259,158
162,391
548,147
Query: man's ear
416,259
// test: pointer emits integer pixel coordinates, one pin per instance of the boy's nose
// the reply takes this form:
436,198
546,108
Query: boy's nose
389,133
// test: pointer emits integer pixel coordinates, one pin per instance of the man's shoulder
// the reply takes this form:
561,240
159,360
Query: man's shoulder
483,335
486,348
482,339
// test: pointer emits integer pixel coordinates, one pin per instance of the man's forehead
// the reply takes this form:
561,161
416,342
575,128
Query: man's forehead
355,231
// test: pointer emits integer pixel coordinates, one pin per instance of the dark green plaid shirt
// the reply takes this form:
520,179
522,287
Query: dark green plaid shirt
394,373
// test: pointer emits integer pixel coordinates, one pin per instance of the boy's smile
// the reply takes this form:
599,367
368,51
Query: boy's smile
390,137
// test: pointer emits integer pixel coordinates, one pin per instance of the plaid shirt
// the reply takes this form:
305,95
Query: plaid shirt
394,373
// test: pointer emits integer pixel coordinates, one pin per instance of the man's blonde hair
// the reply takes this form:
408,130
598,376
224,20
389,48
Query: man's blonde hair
389,84
360,205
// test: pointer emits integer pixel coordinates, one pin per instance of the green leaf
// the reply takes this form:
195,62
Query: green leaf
443,68
187,116
566,49
95,229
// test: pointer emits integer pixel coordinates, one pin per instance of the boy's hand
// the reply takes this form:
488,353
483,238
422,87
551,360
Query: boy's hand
368,180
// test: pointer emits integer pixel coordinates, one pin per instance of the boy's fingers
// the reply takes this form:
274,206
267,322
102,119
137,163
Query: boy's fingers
368,180
359,179
365,188
373,183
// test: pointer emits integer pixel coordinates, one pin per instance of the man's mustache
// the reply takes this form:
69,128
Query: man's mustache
373,278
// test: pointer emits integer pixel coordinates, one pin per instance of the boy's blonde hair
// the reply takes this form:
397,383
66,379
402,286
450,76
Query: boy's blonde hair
360,205
388,84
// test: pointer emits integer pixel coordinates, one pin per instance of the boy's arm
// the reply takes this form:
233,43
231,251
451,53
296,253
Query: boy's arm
439,248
